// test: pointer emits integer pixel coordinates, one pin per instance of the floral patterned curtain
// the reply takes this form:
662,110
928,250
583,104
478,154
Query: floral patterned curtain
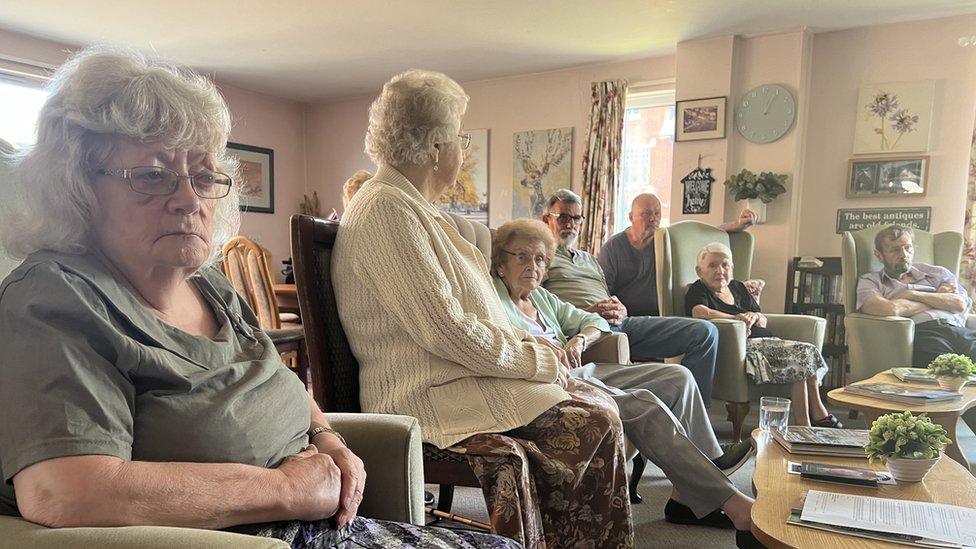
601,162
967,274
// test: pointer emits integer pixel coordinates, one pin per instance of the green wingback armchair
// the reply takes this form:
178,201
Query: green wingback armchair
676,253
876,343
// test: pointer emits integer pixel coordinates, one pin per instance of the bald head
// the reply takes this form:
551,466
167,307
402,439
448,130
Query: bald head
645,216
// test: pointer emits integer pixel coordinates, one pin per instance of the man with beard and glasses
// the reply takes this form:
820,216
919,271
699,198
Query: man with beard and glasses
928,294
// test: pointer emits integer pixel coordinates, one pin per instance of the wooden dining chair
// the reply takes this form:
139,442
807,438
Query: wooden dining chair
246,266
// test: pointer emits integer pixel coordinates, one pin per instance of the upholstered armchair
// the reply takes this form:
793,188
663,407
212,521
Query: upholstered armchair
676,249
876,343
389,446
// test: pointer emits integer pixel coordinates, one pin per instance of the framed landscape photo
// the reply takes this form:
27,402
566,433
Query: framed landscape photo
256,178
887,176
698,119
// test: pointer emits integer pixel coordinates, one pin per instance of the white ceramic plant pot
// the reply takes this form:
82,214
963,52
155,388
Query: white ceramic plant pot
759,207
953,384
910,470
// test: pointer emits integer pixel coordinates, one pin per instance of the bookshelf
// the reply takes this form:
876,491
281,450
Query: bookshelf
818,291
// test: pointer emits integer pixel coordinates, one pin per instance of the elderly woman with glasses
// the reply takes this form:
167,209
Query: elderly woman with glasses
136,387
662,411
769,359
433,341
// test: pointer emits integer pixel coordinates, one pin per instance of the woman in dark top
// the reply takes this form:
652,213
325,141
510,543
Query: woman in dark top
768,359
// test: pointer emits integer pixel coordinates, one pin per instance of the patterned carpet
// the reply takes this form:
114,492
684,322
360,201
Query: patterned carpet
652,531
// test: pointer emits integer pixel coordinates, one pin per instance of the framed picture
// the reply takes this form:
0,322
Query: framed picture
468,197
894,117
698,119
256,185
887,176
542,163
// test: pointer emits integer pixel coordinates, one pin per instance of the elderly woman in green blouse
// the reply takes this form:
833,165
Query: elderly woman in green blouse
660,406
135,388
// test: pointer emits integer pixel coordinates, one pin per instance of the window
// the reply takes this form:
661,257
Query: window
648,146
19,106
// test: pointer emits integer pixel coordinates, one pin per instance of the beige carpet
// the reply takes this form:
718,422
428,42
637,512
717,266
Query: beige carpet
649,524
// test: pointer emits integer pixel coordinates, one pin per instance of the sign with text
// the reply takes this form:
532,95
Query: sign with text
697,197
852,219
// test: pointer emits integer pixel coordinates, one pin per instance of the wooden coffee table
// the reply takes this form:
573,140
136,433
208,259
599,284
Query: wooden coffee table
776,491
945,414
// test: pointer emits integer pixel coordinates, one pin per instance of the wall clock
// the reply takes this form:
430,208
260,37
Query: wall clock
765,113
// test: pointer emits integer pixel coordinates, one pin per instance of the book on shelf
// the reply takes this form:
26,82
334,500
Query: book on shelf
905,522
922,375
822,441
900,393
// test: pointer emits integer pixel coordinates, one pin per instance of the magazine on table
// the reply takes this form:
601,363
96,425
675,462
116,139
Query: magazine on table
841,474
917,523
822,441
921,375
901,393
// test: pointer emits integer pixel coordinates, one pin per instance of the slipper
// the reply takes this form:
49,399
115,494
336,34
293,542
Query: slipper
678,513
829,421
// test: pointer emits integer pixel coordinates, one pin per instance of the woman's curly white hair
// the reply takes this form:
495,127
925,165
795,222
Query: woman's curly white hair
415,110
99,95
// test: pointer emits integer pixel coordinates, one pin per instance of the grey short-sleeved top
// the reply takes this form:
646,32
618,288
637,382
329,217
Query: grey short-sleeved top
85,369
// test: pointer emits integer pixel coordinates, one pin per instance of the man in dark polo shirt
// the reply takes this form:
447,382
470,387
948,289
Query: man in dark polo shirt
630,303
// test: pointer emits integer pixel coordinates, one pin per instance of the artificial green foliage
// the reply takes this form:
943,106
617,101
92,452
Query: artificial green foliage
951,365
903,435
766,186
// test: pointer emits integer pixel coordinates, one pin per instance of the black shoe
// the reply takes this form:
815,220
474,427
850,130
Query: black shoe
830,421
677,513
745,540
735,455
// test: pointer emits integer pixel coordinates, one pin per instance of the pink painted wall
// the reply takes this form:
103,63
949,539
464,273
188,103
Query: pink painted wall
276,124
258,120
845,60
504,106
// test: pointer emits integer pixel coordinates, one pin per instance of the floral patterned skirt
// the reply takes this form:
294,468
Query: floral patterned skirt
376,534
774,360
560,481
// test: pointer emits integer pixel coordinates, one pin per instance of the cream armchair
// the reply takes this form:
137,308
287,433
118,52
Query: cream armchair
876,343
389,446
676,253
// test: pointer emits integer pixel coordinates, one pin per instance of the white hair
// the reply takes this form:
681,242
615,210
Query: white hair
415,110
714,248
98,96
565,196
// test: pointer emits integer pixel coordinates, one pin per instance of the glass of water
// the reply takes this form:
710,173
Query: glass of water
774,413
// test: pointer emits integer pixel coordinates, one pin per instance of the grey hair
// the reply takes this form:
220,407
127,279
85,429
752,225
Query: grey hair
891,232
562,195
713,248
98,96
415,110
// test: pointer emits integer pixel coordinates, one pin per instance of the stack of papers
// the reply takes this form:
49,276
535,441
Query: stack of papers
916,523
921,375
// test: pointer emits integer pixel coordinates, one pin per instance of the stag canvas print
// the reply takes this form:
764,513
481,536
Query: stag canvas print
468,197
543,163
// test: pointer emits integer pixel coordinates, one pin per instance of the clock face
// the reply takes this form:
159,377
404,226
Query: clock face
766,113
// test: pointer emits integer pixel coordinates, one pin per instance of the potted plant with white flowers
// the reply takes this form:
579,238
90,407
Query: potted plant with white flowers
756,190
952,371
910,445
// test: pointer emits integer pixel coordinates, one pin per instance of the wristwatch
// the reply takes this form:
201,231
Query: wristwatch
319,430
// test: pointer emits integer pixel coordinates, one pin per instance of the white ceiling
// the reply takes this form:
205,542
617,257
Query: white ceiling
311,50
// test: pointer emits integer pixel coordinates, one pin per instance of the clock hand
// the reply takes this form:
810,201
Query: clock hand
769,102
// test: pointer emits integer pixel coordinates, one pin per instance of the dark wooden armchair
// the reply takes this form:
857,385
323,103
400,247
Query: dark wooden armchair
335,371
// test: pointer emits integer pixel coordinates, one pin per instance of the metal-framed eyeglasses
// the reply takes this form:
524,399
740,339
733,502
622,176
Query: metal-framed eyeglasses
524,258
566,218
159,181
465,139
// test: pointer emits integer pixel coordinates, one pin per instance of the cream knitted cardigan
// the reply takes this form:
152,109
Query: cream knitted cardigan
423,320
